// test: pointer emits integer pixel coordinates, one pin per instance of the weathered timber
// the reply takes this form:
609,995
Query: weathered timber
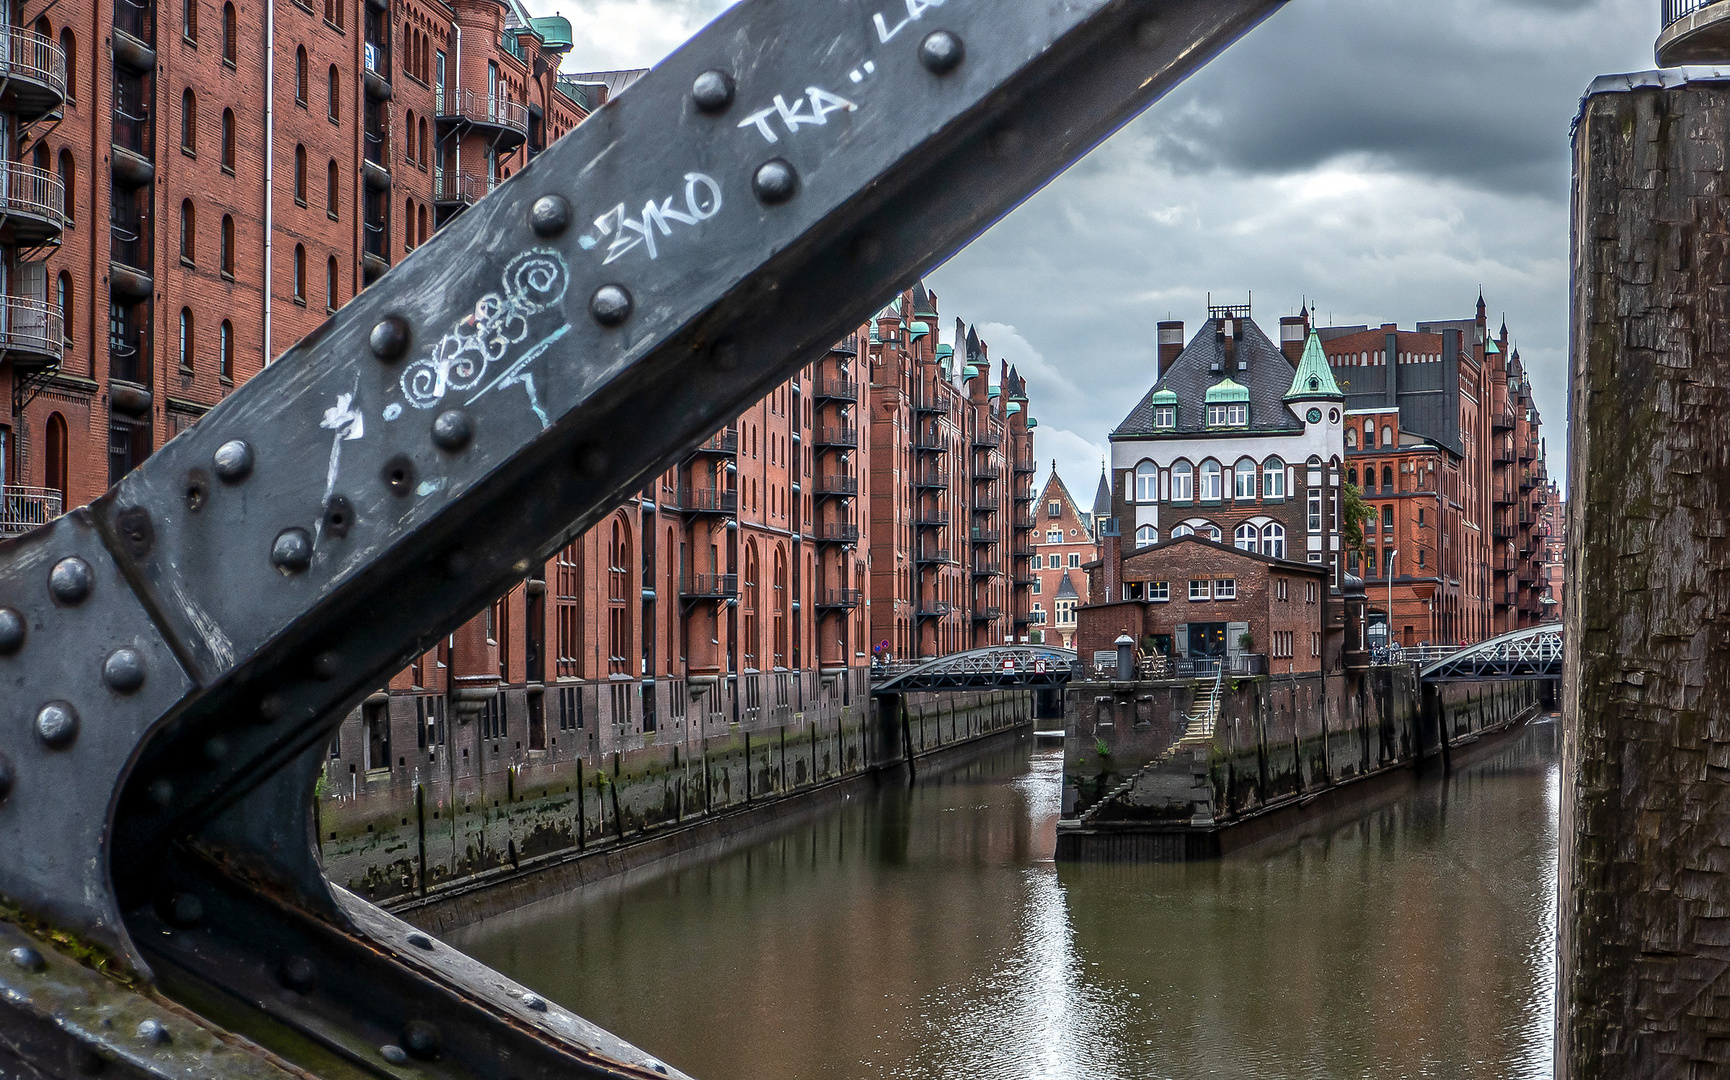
1644,980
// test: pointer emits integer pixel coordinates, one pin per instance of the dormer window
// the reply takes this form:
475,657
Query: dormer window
1165,417
1233,415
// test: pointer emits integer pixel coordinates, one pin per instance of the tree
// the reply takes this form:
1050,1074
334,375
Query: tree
1354,512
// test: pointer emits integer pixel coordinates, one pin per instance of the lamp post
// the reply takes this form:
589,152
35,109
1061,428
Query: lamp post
1393,560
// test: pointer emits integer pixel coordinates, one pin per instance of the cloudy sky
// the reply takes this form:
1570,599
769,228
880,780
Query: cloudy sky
1381,158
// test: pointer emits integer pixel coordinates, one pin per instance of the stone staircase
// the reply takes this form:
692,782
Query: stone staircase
1197,732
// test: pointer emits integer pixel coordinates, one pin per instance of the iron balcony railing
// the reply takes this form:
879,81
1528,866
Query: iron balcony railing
930,609
986,569
1025,465
932,442
931,555
931,519
987,503
989,614
37,58
987,472
839,598
847,346
986,536
450,186
35,192
987,438
493,110
710,586
836,390
25,508
838,485
847,437
722,442
835,532
31,326
1677,10
931,403
708,501
931,478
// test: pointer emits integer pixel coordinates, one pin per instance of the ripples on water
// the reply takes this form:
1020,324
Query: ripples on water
928,934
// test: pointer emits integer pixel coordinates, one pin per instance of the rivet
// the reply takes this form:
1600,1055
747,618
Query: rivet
399,475
452,430
28,959
8,777
11,631
775,182
389,339
123,671
549,216
136,531
713,91
183,910
292,551
393,1053
161,793
215,748
421,1040
155,1031
299,975
233,461
611,305
420,941
70,581
534,1002
57,725
325,666
941,52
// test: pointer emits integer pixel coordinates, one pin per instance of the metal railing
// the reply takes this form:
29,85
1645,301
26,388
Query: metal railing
32,56
837,485
1677,10
25,508
931,478
839,598
456,187
722,442
33,191
932,555
834,532
710,586
32,326
708,501
494,110
835,389
837,436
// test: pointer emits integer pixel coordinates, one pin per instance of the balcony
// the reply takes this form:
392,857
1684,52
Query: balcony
839,599
990,614
986,569
375,78
931,519
837,437
1025,467
25,508
34,75
835,390
931,555
709,587
931,478
1503,457
1502,497
35,203
985,536
935,404
837,487
1025,496
457,188
1502,422
722,442
1695,32
988,472
1024,579
931,443
987,503
847,346
1023,519
1023,550
987,438
31,333
707,501
836,532
1502,532
505,120
935,609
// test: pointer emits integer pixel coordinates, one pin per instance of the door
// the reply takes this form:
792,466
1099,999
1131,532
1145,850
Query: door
1207,640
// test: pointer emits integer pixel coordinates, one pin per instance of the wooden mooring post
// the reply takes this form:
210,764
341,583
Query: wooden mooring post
1644,946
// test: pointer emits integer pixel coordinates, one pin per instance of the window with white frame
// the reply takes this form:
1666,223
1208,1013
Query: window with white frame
1283,595
1235,415
1159,591
1246,537
1146,536
1054,536
1054,509
1225,589
1147,482
1182,482
1165,416
1310,592
1053,561
1038,563
1315,516
1273,479
1036,589
1210,481
1243,480
1200,590
1181,530
1273,541
1212,533
1315,643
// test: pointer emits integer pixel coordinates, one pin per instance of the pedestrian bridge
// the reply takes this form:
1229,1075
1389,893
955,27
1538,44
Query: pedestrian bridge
1533,653
1003,667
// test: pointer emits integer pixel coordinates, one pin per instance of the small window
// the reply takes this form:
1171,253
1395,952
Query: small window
69,46
1054,536
300,275
225,351
189,20
330,189
188,232
330,284
230,35
300,76
188,122
1200,590
1147,482
68,181
1159,591
1370,436
1246,538
186,341
1074,561
1210,481
1165,417
335,94
300,175
63,300
1273,479
1178,531
1225,589
228,141
1054,509
1387,435
227,246
1053,561
1182,482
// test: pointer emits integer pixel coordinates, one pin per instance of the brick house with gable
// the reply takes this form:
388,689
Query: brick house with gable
1064,541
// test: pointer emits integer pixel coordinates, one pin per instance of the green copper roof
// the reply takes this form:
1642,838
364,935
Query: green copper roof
554,31
972,372
919,329
1164,397
1014,407
1490,349
945,352
1227,390
1314,379
1032,422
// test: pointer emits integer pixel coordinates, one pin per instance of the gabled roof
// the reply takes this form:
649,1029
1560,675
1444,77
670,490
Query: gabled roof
1068,499
1314,379
1264,372
1102,498
1066,588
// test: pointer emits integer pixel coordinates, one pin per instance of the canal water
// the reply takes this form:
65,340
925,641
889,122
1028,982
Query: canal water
927,933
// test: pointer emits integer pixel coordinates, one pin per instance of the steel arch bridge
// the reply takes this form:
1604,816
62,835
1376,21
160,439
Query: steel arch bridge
1533,653
998,668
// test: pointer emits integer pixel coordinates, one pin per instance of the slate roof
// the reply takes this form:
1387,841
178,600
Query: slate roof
1102,497
1268,376
1066,589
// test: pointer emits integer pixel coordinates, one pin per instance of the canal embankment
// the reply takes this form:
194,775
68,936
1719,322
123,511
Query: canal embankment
447,850
1175,770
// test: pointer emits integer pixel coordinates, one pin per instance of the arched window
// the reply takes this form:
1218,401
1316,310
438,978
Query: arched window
1369,436
780,608
1246,537
1273,541
186,341
1387,435
1351,438
1352,476
227,245
1243,480
189,20
751,600
411,138
1147,482
300,174
1210,481
1182,483
69,46
1387,480
188,122
228,140
330,284
1273,479
57,450
1182,530
39,156
1146,536
63,301
188,232
423,221
408,225
68,180
335,93
301,80
299,274
423,143
1212,533
230,35
225,351
330,189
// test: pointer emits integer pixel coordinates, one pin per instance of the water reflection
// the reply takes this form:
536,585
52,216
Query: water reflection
927,933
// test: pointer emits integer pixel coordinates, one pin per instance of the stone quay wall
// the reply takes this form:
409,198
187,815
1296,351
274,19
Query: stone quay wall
1282,749
431,836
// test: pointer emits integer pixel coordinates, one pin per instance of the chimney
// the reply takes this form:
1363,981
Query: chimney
1391,351
1112,557
1292,338
1228,331
1170,346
